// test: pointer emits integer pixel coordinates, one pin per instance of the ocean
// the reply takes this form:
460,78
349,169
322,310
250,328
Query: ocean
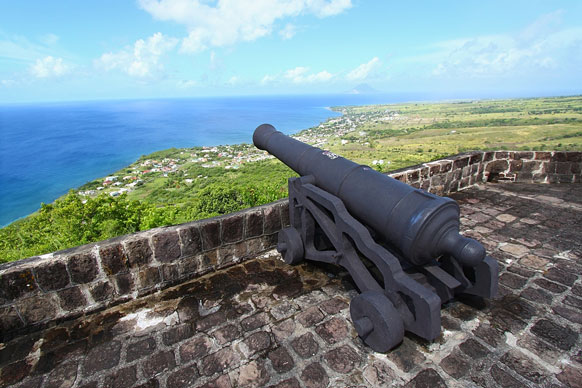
47,149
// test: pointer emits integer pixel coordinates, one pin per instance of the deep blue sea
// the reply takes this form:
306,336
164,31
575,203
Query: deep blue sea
47,149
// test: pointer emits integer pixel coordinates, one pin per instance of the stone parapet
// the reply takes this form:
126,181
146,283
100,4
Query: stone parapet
39,291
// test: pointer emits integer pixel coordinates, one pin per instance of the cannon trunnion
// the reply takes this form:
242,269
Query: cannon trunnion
401,245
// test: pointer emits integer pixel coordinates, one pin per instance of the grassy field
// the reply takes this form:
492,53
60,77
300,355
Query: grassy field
179,185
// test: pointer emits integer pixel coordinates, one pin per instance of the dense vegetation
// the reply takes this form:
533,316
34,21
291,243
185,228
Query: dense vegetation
180,185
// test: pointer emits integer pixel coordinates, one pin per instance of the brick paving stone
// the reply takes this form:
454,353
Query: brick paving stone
310,317
184,377
572,301
253,374
36,382
560,276
550,286
577,290
140,349
312,299
226,334
504,379
211,321
523,366
516,250
225,358
406,356
254,343
333,306
379,374
123,378
562,337
521,271
539,347
281,360
569,314
305,346
151,383
536,295
473,349
254,322
314,376
158,363
450,323
289,383
333,331
102,357
342,359
506,218
455,364
195,348
63,376
427,378
177,334
512,280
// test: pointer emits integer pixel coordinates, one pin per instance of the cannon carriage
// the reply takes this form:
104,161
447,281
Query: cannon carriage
400,245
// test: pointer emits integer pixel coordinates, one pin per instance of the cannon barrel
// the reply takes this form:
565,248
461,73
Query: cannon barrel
422,226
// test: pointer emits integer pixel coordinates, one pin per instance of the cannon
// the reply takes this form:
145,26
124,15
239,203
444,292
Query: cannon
400,245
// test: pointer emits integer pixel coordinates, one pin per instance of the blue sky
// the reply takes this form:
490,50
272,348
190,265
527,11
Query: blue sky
82,50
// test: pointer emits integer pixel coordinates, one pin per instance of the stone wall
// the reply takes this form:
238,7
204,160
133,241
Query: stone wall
40,291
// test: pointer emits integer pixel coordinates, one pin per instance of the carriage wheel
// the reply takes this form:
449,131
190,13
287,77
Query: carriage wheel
376,320
290,246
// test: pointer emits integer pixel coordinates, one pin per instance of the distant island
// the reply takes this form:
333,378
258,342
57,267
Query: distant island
363,89
184,184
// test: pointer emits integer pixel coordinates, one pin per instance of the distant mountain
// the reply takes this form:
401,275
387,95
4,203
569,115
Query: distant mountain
363,89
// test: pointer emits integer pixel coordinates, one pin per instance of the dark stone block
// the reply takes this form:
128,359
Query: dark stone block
191,241
170,273
272,219
123,378
195,348
564,168
177,334
543,156
460,163
570,376
72,299
550,286
218,362
537,295
13,373
574,302
281,360
9,320
488,156
310,317
343,359
413,176
427,378
140,349
148,277
314,376
504,379
101,291
185,377
158,363
455,364
151,383
523,366
289,383
16,283
285,214
254,224
113,259
559,156
83,267
210,234
232,228
515,166
512,281
138,252
101,357
226,334
333,306
505,321
254,343
37,309
473,349
166,246
124,283
562,337
333,331
305,346
254,322
559,276
52,276
476,158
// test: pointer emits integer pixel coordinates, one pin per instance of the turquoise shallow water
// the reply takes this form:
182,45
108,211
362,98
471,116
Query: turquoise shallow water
47,149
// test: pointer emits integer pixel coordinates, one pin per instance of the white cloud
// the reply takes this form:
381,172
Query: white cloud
49,67
227,22
143,59
300,75
186,84
288,31
364,70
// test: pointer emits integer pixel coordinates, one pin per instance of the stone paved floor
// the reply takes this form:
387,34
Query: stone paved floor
263,323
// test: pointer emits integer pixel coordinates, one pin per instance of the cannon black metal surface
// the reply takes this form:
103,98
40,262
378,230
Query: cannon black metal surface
401,245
